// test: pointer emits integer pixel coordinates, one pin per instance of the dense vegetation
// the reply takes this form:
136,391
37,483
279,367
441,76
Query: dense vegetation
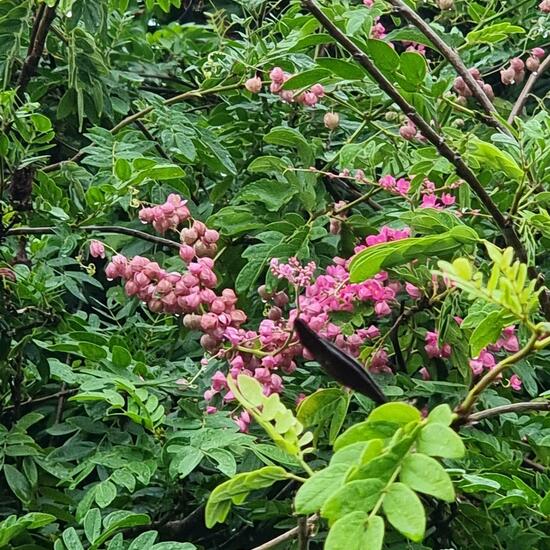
179,182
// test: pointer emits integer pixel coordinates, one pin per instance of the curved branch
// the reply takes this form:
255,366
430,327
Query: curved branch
512,408
43,21
96,229
453,58
522,98
438,141
288,535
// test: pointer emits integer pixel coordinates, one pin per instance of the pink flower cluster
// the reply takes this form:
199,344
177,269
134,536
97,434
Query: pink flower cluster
378,30
400,186
544,6
293,271
415,47
166,216
198,241
409,131
431,200
486,359
463,90
278,77
433,349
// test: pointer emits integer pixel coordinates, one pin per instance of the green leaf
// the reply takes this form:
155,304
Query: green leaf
356,531
92,351
251,390
92,524
375,258
490,156
354,496
341,68
267,165
398,413
365,431
145,540
383,55
319,487
413,67
71,539
493,33
487,332
405,511
545,504
438,440
18,483
306,79
425,475
442,414
273,194
186,461
123,169
121,357
236,490
174,546
105,493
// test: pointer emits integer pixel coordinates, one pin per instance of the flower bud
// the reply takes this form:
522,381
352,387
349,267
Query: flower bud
275,313
488,89
331,120
533,64
508,76
281,299
446,4
254,84
264,294
407,132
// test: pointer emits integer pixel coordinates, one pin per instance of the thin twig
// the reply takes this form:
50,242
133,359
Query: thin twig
534,465
36,47
97,229
453,58
144,112
34,401
512,408
152,138
438,141
288,535
520,102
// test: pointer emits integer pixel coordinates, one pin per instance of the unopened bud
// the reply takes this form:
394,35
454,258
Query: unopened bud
331,120
446,4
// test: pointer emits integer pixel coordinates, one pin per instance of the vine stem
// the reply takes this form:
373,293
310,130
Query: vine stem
453,58
438,141
512,408
96,229
522,98
465,408
288,535
144,112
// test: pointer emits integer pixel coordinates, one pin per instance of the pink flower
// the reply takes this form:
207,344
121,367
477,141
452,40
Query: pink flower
538,52
544,6
403,186
425,373
408,131
254,84
447,199
515,382
299,398
368,3
97,250
413,291
318,90
211,410
277,75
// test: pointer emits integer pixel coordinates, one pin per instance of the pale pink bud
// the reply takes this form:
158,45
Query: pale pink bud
488,89
189,236
187,253
331,120
309,99
538,52
254,84
413,291
517,64
533,64
318,90
211,236
407,132
97,250
446,4
508,76
277,75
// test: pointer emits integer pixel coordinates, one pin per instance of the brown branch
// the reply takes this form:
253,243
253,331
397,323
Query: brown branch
144,112
44,19
437,140
453,58
97,229
520,102
33,401
512,408
288,535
